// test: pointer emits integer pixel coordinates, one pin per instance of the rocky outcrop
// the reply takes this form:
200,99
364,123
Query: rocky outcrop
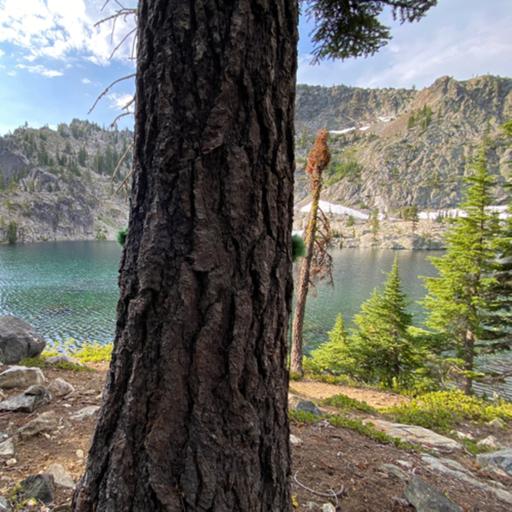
18,340
21,376
426,498
405,147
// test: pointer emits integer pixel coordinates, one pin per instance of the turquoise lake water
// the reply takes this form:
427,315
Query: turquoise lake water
69,289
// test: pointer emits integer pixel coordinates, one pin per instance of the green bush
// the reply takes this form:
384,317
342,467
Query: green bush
12,232
442,410
346,403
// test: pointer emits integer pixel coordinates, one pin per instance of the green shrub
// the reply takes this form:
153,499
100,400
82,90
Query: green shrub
93,352
344,402
121,236
442,410
12,232
302,416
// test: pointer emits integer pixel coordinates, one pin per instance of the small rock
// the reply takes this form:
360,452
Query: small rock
46,422
489,442
11,462
497,423
7,448
18,340
53,360
86,412
295,441
405,463
4,505
80,454
462,435
40,487
328,507
501,459
307,406
21,376
426,498
23,402
60,387
391,469
61,476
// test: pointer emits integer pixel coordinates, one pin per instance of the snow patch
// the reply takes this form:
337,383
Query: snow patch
337,209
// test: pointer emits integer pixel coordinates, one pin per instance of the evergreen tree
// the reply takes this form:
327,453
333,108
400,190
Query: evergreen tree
380,345
497,319
458,297
333,355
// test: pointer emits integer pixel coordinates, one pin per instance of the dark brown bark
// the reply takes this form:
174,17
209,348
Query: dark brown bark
469,360
195,410
296,351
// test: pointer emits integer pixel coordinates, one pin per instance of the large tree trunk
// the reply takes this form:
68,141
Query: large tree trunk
296,352
195,409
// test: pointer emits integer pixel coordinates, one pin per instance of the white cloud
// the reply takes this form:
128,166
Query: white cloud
2,53
62,29
38,69
11,73
119,101
86,81
461,38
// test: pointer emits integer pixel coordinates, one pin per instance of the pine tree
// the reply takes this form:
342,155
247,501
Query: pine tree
497,319
380,345
333,355
458,297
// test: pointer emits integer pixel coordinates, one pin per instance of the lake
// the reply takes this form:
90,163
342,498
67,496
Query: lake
69,289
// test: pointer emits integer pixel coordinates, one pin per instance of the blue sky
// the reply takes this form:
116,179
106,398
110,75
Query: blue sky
54,62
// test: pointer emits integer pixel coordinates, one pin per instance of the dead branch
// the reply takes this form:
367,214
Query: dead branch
330,494
123,183
121,160
107,89
123,39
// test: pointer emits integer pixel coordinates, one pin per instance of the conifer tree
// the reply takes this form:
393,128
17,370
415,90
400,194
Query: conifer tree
380,345
458,297
333,355
497,319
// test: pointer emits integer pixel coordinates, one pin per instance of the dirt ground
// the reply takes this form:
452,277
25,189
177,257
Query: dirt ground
328,458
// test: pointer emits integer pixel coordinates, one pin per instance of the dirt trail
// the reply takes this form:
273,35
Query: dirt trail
320,390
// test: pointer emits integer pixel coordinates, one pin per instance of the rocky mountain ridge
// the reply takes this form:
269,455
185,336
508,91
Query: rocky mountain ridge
393,148
63,184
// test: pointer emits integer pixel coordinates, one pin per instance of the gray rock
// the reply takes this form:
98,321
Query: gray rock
21,376
489,442
18,340
307,406
60,387
7,448
40,487
456,470
4,505
61,477
418,435
44,423
295,441
426,498
86,412
53,360
28,401
391,469
328,507
501,459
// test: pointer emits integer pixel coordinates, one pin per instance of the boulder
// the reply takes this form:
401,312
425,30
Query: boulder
426,498
307,406
21,376
44,423
63,359
40,487
61,477
86,412
7,448
502,459
32,398
60,387
18,340
418,435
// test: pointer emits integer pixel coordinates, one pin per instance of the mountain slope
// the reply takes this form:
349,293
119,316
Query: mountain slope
59,184
403,147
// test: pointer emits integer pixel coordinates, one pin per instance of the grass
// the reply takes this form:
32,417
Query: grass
473,448
90,352
346,403
443,410
303,417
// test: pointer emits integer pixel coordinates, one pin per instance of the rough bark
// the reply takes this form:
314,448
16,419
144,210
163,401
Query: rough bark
195,410
469,360
296,352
